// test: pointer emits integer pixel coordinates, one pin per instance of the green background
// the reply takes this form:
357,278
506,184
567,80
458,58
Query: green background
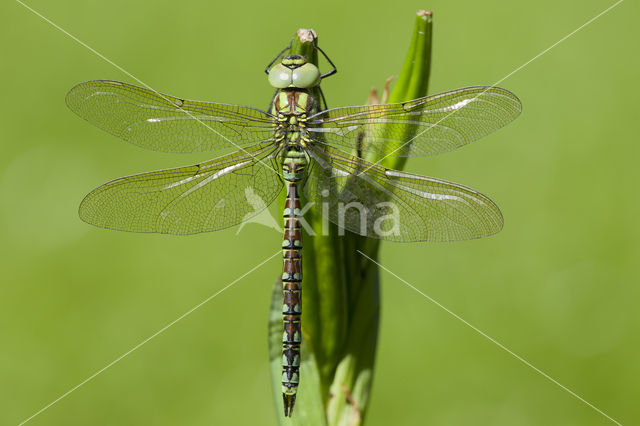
559,285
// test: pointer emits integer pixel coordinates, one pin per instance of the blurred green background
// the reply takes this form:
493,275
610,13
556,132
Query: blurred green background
558,286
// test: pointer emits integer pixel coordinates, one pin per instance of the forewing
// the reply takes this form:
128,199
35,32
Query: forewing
187,200
382,203
161,122
424,126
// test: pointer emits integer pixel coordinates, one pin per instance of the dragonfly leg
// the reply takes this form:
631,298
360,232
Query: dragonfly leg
324,101
266,70
334,69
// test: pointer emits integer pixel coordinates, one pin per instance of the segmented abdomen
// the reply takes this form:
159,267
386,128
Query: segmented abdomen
292,297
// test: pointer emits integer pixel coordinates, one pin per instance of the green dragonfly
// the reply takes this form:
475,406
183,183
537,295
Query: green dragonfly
299,145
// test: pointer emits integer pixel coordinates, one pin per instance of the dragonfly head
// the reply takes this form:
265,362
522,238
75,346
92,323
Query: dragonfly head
294,71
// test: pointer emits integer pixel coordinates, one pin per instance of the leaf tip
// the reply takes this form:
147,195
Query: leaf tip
306,35
425,13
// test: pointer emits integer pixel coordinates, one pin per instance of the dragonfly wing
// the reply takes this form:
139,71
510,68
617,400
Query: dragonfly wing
382,203
161,122
188,200
424,126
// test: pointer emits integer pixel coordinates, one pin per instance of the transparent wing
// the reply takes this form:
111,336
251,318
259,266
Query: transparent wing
187,200
161,122
382,203
424,126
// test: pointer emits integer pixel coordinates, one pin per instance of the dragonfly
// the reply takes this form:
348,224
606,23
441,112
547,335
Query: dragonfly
297,145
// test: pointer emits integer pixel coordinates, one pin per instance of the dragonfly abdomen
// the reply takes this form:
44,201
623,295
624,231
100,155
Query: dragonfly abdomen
293,170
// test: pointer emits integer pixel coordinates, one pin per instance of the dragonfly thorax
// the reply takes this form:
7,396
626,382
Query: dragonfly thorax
292,107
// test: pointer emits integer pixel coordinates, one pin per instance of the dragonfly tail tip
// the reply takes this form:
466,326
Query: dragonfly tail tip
289,401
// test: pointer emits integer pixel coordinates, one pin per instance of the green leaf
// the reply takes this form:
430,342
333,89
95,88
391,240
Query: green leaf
413,81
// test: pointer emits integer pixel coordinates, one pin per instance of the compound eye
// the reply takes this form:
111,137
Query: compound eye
306,76
280,76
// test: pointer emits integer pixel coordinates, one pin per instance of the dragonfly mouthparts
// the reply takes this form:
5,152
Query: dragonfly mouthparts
293,61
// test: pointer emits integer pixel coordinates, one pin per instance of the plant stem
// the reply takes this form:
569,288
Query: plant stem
341,288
